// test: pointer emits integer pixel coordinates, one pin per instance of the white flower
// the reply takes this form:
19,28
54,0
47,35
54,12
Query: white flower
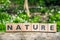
21,19
58,11
13,17
20,11
52,10
50,13
18,18
26,21
2,1
4,22
29,19
11,21
2,7
54,21
41,7
8,1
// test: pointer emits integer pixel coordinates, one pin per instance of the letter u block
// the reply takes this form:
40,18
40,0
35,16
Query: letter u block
35,26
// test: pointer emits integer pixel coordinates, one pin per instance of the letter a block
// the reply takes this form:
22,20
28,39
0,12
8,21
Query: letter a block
18,27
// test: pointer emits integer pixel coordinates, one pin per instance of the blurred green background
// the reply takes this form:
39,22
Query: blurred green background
12,11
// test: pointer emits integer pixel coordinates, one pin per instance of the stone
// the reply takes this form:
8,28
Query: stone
30,36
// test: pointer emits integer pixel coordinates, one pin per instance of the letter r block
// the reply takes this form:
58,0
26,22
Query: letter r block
43,27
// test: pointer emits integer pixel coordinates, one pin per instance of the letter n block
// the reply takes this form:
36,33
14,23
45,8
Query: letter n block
9,27
35,26
52,27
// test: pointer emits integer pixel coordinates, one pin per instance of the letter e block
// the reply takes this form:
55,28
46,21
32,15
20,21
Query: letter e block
51,27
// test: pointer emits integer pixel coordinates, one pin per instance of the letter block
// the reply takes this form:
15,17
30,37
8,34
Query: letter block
51,27
35,26
43,27
26,27
18,27
9,27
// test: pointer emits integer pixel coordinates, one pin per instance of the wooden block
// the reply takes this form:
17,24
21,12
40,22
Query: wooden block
18,27
35,26
12,27
26,27
9,27
43,27
51,27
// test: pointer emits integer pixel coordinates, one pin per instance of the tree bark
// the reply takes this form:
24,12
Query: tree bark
26,7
